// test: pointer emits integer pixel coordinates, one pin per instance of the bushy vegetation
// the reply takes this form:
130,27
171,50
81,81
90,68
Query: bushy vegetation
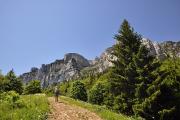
65,88
16,107
33,87
10,82
78,91
95,95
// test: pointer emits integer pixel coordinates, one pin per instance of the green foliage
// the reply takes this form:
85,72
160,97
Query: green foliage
10,82
65,88
78,91
95,95
167,114
4,83
15,107
123,74
147,68
33,87
134,71
12,98
163,100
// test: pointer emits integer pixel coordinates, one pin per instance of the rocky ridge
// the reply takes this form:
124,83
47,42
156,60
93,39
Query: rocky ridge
73,65
60,70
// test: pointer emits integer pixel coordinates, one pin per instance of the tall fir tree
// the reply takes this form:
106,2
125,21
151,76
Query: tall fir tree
122,77
147,68
133,72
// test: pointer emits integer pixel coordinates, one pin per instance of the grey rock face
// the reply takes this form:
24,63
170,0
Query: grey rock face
160,50
60,70
103,62
74,65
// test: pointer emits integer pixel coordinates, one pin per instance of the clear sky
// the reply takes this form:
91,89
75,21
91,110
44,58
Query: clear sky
33,32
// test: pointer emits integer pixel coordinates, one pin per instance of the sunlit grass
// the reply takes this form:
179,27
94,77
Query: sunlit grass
35,108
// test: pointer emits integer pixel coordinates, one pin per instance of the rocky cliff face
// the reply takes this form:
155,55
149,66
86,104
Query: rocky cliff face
60,70
73,65
160,50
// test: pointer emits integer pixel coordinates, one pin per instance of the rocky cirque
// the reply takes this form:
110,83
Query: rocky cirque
72,65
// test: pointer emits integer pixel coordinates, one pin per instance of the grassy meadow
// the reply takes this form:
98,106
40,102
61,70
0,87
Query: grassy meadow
24,107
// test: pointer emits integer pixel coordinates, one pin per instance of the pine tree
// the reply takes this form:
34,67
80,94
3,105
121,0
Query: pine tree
123,74
14,82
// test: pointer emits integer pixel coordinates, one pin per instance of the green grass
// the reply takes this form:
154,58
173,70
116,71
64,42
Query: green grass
99,110
35,107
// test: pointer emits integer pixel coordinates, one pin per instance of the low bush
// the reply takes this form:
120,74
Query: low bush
33,87
95,95
78,91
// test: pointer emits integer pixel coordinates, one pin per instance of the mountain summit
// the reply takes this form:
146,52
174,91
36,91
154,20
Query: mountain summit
73,65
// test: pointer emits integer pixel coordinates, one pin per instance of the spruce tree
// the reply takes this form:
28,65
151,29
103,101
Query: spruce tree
147,68
134,70
123,74
163,100
14,82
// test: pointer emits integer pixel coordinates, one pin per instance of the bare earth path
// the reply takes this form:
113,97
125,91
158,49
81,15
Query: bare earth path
63,111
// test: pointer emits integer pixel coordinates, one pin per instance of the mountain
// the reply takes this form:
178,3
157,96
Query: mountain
60,70
73,65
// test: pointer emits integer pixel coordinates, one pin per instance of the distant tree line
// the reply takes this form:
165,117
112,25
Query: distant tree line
11,82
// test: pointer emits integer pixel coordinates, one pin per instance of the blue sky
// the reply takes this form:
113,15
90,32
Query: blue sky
33,32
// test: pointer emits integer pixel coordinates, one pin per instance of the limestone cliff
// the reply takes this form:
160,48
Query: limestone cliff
160,50
60,70
74,65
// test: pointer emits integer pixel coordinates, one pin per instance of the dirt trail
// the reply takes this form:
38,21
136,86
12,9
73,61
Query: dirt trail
63,111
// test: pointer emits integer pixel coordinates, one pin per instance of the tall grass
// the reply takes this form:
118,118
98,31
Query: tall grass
99,110
33,107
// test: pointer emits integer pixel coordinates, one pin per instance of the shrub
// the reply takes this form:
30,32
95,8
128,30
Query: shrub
96,94
10,83
78,91
33,87
12,98
65,88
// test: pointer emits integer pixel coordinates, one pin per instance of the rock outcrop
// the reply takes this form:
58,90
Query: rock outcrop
160,50
74,65
58,71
